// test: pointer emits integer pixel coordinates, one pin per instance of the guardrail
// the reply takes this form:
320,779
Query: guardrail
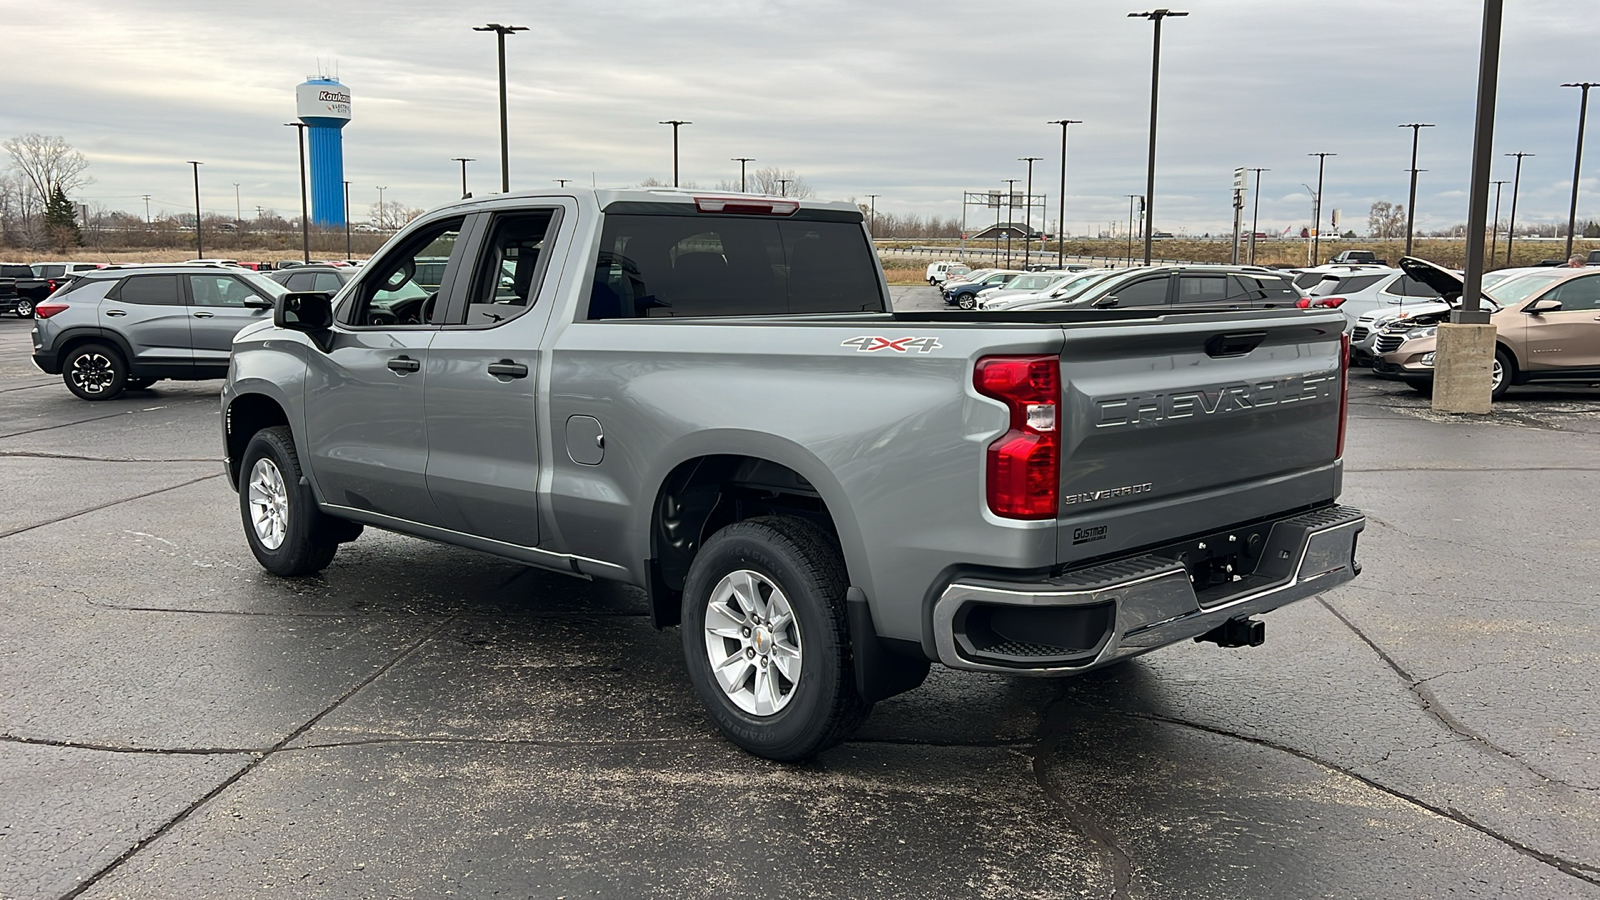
1017,258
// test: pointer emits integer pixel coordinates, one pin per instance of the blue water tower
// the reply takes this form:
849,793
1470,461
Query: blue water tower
324,104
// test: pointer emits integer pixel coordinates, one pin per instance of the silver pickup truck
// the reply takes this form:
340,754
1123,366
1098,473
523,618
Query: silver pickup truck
710,397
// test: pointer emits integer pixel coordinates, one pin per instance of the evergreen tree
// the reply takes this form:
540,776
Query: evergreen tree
1591,230
59,220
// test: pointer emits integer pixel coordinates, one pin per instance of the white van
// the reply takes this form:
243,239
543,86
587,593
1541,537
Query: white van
939,271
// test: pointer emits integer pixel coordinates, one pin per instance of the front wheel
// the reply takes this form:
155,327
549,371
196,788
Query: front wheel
24,309
282,524
767,640
1500,375
967,301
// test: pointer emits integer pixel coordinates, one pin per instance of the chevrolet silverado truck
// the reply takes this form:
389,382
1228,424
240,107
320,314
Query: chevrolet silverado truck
710,397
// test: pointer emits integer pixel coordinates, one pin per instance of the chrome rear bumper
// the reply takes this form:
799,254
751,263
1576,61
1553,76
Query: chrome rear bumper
1146,602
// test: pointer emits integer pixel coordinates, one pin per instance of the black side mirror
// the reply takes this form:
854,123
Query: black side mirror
308,311
1545,305
258,303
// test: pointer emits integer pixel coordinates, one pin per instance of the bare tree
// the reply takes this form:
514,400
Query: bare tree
775,182
1387,220
47,162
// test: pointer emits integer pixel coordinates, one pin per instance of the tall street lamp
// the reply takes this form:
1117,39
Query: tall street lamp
1255,213
465,194
1131,198
1516,185
1577,157
1411,203
675,123
238,209
1155,17
199,242
561,182
347,253
1011,212
741,160
383,211
1494,227
500,32
1061,208
783,186
872,220
1316,230
305,223
1027,211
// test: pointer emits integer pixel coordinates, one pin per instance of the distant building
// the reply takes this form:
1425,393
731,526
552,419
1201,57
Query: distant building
1008,229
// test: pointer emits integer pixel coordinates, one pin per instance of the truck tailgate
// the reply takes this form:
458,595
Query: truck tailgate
1195,423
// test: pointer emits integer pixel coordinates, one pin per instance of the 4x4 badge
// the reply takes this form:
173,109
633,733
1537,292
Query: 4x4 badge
874,343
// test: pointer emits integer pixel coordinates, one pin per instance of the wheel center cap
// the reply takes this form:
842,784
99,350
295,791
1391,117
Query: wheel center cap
762,639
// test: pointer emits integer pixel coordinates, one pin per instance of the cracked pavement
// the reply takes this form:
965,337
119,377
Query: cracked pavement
422,721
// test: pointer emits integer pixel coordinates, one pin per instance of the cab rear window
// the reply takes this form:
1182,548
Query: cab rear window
653,266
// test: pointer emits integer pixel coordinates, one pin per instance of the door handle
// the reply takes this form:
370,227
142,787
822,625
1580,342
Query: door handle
505,368
404,364
116,312
202,314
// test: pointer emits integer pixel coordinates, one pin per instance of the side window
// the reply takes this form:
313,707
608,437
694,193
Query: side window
326,282
1577,294
1201,289
218,290
1406,286
506,283
301,281
395,289
149,290
50,271
1145,292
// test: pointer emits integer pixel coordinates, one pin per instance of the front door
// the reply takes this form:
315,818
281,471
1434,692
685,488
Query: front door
1568,338
483,374
149,312
216,313
364,393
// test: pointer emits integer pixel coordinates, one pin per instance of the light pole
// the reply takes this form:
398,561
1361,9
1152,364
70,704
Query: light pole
305,222
1516,185
783,186
147,209
561,182
1316,229
1411,203
1254,213
1027,229
741,160
238,209
675,123
500,32
347,253
383,211
1061,208
465,194
1494,227
1155,17
1131,198
872,220
1011,211
1577,158
199,242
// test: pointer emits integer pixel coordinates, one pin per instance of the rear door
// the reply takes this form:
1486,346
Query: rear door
1194,422
149,313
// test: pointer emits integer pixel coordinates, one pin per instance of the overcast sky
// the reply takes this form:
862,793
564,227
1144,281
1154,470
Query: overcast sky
914,101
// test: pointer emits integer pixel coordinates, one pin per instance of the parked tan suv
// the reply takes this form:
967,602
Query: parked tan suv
1548,329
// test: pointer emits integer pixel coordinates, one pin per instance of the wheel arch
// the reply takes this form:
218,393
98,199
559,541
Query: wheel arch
73,338
245,415
1518,371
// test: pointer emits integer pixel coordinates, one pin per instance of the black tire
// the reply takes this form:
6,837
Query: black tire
24,309
1423,386
967,301
1508,370
307,542
95,372
804,563
139,384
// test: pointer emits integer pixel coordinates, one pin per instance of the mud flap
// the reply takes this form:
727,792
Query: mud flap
880,673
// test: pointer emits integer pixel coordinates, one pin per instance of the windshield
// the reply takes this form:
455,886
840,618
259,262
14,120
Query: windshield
1519,288
264,284
1031,283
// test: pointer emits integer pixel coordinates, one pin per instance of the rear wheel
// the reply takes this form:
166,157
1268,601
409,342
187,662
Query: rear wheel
95,372
287,533
24,309
767,640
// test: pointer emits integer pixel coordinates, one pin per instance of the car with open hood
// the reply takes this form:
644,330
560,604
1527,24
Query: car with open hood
1547,327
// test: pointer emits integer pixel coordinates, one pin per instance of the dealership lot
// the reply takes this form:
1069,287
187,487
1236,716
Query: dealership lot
421,720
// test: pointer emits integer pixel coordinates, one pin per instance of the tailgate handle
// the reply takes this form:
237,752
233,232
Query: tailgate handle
1239,344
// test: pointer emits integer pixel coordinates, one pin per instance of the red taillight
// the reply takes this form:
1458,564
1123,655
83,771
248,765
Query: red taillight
46,310
1344,389
747,206
1024,465
1329,302
1303,303
51,285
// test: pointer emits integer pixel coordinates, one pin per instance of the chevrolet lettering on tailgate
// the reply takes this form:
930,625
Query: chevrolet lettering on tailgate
1152,409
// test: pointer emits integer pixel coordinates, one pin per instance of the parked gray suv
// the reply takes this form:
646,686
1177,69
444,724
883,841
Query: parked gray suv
122,328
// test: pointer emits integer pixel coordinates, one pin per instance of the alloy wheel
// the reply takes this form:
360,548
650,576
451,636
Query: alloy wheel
93,373
269,504
24,309
753,642
1496,375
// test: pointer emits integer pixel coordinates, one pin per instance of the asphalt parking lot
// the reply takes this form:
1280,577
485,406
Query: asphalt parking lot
422,721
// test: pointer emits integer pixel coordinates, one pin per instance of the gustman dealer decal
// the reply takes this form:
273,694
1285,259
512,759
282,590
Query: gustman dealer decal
873,343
